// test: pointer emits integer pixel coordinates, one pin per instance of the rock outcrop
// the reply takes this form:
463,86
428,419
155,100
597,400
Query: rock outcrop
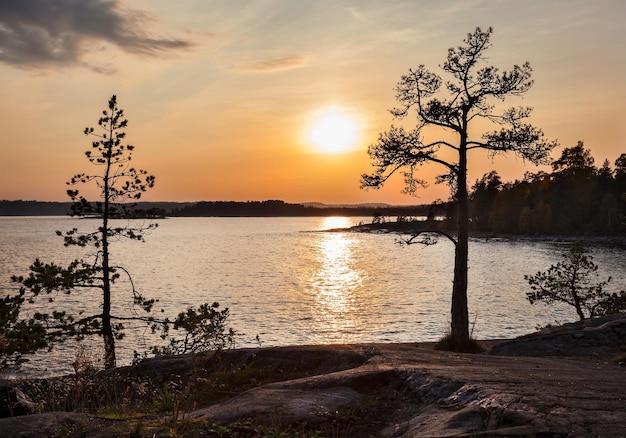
558,382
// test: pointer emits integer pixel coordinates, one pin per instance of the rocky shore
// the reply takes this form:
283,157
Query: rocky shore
560,382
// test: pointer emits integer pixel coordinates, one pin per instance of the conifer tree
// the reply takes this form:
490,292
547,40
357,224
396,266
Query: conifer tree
120,185
575,282
467,103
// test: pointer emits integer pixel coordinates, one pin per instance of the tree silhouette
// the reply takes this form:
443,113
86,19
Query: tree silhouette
470,91
573,281
120,185
574,160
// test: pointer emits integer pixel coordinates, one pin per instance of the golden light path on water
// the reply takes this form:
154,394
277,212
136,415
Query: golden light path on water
335,281
288,281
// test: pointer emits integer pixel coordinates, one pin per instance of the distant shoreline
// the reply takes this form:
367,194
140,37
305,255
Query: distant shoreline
267,208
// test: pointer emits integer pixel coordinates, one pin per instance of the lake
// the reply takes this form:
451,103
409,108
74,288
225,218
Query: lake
289,283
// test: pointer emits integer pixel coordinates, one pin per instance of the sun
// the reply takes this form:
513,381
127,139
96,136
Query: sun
333,131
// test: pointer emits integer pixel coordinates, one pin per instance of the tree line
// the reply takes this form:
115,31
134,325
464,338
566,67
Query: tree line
267,208
275,208
576,198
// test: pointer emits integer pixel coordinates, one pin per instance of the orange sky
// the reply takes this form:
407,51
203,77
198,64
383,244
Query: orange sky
221,95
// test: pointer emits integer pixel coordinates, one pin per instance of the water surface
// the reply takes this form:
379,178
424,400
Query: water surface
290,284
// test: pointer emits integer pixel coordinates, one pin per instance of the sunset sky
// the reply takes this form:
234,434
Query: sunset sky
234,100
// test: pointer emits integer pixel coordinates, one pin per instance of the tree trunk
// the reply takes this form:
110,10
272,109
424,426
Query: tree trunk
574,294
107,329
459,314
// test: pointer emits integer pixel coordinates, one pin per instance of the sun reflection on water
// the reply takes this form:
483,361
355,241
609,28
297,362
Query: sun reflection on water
335,282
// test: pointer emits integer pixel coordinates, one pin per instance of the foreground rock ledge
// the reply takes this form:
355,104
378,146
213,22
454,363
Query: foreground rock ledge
411,390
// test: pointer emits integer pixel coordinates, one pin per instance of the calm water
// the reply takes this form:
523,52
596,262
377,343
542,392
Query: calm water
288,284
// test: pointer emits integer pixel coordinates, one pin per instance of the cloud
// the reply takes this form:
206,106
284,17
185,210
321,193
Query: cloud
274,64
40,33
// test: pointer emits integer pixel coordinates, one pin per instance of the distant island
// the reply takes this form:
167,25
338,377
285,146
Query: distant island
268,208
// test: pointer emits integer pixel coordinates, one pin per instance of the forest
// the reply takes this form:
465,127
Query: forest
576,198
273,208
268,208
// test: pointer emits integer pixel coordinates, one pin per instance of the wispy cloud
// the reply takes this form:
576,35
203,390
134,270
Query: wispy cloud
273,64
41,33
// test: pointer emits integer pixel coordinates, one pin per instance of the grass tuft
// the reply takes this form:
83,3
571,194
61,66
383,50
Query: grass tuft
446,343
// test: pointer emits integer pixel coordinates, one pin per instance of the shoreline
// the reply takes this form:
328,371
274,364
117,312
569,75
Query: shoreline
569,386
432,227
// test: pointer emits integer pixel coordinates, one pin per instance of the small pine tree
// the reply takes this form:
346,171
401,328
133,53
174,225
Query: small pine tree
573,281
120,185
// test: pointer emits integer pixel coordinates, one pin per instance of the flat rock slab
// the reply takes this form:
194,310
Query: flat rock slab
517,396
451,394
307,400
282,406
574,388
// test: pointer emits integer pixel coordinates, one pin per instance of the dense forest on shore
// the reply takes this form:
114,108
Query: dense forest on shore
575,198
